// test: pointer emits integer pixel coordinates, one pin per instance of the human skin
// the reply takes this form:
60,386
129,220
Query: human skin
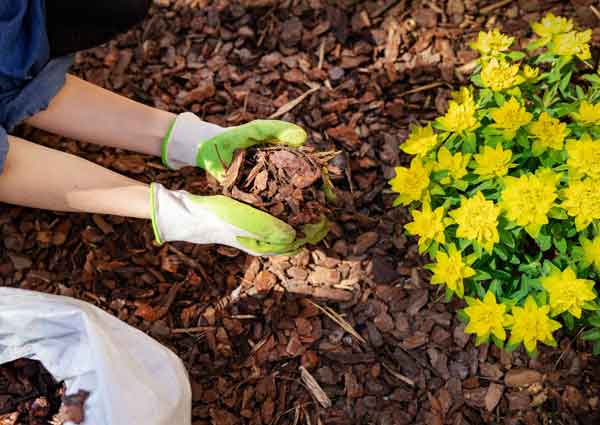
39,177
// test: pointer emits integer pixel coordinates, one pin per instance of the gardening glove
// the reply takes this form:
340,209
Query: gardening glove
191,141
181,216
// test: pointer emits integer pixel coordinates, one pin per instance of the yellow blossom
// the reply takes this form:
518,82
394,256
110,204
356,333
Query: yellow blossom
567,293
549,133
456,164
526,200
500,75
532,324
588,114
572,44
477,220
584,157
591,251
491,43
493,162
420,141
510,117
460,117
410,183
428,225
464,95
486,317
552,25
451,269
530,72
582,201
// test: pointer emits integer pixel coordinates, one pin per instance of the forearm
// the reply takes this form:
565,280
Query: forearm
88,113
39,177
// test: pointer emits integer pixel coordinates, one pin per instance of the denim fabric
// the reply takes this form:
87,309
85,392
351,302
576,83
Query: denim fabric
29,79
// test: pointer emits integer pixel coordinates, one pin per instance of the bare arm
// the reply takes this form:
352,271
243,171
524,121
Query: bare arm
39,177
89,113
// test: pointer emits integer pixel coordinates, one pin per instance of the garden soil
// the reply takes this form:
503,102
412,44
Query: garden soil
348,331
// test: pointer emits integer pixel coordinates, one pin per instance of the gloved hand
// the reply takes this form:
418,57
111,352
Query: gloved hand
181,216
191,141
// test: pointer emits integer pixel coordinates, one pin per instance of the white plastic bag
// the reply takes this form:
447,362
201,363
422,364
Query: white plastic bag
132,379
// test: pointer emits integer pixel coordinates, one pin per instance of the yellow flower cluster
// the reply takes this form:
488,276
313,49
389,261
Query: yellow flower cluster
477,220
421,141
588,114
549,133
451,269
510,117
499,75
527,200
492,43
564,41
498,182
411,183
493,162
461,116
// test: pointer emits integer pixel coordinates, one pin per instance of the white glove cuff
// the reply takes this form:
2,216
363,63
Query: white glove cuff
187,133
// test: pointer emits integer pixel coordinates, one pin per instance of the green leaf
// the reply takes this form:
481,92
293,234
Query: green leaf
591,335
596,348
569,321
499,98
558,213
594,320
476,79
561,245
497,342
462,316
564,82
544,242
481,275
592,78
516,56
470,143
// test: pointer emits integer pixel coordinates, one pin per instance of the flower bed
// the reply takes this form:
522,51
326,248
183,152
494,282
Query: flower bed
503,189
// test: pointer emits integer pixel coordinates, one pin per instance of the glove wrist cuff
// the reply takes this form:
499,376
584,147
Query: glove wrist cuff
184,138
153,213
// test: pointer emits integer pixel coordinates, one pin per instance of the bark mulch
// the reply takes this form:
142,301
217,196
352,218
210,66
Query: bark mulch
348,331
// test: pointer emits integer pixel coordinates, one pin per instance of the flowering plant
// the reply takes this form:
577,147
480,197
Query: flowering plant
504,189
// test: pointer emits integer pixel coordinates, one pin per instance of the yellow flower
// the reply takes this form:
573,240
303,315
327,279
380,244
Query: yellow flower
510,117
572,44
567,293
456,164
493,162
500,75
582,201
460,117
549,133
464,95
551,25
530,72
450,269
591,251
526,200
486,317
588,114
428,225
584,157
420,141
492,42
411,183
532,324
477,220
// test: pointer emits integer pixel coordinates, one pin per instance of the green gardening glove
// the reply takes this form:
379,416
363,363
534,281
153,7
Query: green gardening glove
191,141
181,216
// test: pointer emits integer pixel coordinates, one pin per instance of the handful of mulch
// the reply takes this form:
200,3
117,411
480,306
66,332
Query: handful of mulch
290,184
29,395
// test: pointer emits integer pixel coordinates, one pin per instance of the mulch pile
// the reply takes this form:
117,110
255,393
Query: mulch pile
29,395
348,331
